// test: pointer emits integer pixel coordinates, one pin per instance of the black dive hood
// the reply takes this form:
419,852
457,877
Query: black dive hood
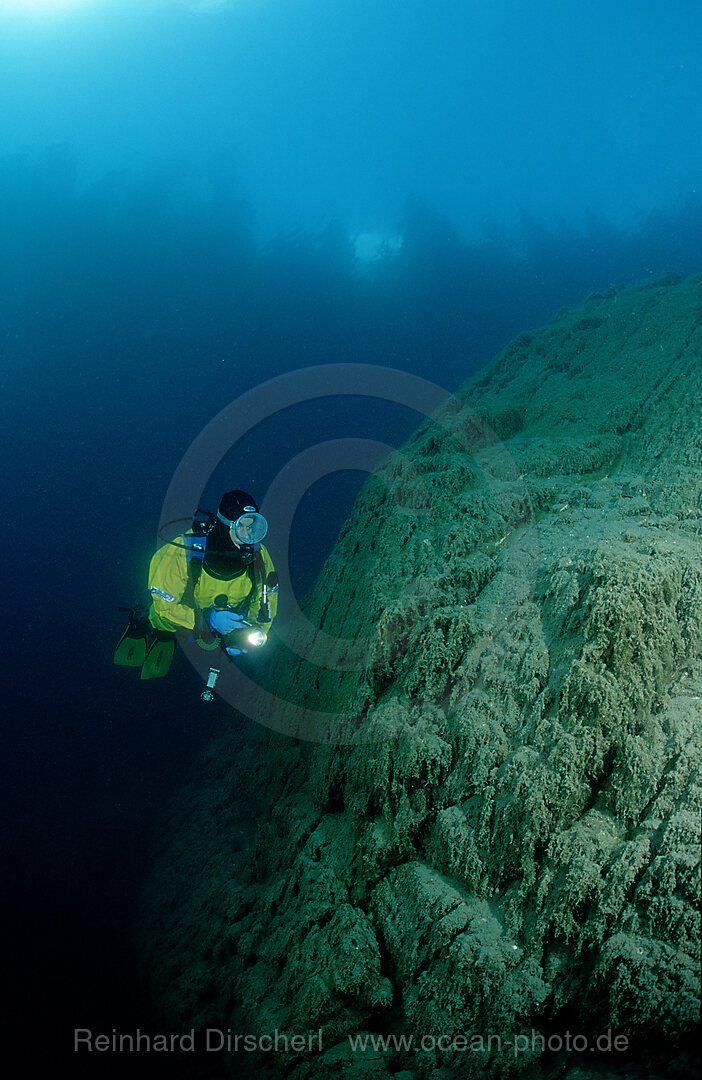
233,505
219,544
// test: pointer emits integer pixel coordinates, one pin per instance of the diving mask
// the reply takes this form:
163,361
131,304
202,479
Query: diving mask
249,528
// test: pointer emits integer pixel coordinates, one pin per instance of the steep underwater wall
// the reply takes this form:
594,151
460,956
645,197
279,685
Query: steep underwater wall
510,840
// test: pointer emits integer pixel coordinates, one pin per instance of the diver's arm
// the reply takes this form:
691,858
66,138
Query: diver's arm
168,579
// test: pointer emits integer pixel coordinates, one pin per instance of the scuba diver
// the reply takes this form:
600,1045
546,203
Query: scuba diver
215,583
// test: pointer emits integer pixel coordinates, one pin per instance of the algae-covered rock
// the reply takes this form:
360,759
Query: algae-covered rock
490,856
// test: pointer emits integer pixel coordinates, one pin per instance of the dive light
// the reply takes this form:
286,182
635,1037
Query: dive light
252,633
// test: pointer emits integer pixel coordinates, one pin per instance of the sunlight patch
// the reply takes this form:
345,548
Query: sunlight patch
40,7
55,7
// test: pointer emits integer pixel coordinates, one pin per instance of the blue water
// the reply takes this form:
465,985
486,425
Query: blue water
180,197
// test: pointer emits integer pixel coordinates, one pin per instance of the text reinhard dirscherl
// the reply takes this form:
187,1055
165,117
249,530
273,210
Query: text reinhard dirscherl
213,1040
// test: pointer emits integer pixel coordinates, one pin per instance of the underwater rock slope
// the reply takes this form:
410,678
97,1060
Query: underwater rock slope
506,839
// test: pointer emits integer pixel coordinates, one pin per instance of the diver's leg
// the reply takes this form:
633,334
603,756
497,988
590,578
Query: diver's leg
160,648
131,648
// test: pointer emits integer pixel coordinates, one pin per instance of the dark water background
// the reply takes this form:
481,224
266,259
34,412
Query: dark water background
127,321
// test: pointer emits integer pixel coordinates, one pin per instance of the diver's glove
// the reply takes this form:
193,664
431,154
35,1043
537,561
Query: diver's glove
236,652
223,621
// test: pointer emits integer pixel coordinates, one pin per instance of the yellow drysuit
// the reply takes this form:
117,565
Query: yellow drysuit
174,601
